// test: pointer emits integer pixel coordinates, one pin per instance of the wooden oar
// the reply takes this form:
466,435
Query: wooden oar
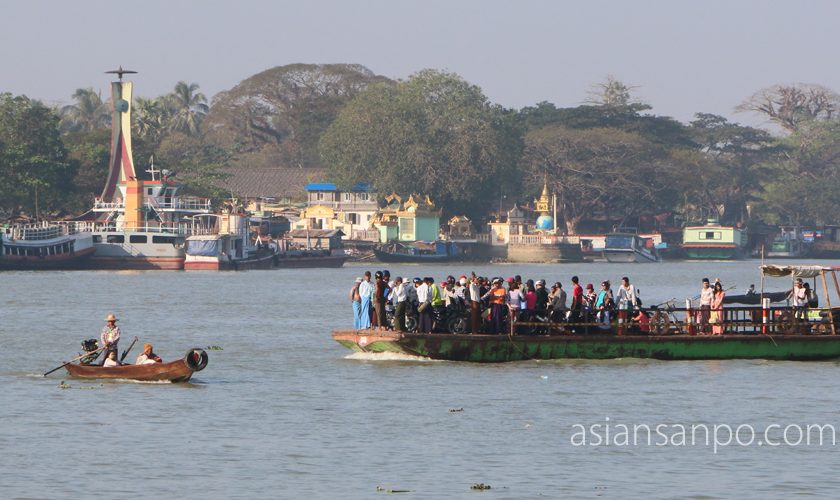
125,352
76,359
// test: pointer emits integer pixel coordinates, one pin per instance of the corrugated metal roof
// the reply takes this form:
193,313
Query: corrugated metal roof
269,182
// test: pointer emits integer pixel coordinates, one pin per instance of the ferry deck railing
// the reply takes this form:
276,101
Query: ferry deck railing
749,320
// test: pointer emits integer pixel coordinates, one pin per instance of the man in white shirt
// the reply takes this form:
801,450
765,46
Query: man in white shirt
475,303
424,307
799,298
706,295
398,297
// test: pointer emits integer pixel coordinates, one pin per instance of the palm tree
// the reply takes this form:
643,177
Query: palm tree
89,113
188,108
152,118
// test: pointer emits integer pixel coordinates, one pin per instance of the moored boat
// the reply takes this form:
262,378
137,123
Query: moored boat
713,241
309,258
419,252
223,242
180,370
626,247
45,245
789,244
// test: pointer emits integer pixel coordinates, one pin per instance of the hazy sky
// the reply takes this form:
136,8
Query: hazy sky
684,56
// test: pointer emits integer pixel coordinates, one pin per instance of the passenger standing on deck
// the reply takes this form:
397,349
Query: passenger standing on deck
411,290
627,297
474,296
399,297
558,303
706,295
799,298
515,299
604,305
380,296
365,294
542,298
716,316
498,300
424,309
356,299
589,298
110,335
577,301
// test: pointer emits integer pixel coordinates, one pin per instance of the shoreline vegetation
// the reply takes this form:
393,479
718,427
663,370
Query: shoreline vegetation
610,161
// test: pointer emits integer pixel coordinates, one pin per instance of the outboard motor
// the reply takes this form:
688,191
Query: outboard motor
196,359
89,345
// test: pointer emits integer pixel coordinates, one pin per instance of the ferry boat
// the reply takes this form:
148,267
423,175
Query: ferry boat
45,245
629,247
713,241
138,224
763,332
223,242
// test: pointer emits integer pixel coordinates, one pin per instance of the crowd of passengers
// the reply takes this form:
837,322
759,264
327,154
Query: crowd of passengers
490,305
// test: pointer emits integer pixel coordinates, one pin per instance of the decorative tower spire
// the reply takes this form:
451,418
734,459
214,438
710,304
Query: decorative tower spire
121,166
543,204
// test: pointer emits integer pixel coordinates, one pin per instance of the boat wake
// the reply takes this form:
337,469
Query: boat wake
387,356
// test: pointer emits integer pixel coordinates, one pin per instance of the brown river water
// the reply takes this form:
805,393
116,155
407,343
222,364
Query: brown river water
282,411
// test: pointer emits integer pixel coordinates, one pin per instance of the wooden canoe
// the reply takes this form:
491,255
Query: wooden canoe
174,371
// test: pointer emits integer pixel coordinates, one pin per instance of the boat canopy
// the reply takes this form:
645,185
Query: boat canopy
778,271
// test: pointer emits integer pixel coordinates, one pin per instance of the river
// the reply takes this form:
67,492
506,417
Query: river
282,411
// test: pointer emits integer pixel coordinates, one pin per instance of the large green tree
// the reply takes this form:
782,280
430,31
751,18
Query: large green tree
281,113
602,172
735,162
33,161
433,134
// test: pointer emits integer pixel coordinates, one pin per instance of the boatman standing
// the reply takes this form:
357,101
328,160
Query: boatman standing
110,335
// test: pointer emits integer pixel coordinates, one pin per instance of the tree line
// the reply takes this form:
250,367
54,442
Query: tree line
609,160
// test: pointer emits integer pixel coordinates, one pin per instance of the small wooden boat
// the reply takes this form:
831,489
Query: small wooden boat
174,371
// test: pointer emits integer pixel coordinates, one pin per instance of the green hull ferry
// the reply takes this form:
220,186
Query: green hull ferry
502,348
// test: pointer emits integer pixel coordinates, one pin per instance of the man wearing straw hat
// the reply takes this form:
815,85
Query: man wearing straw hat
110,335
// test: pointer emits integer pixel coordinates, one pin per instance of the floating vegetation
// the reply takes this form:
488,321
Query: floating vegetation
455,410
62,385
480,487
214,348
389,490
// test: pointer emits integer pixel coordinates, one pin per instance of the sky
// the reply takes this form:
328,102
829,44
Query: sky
683,57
